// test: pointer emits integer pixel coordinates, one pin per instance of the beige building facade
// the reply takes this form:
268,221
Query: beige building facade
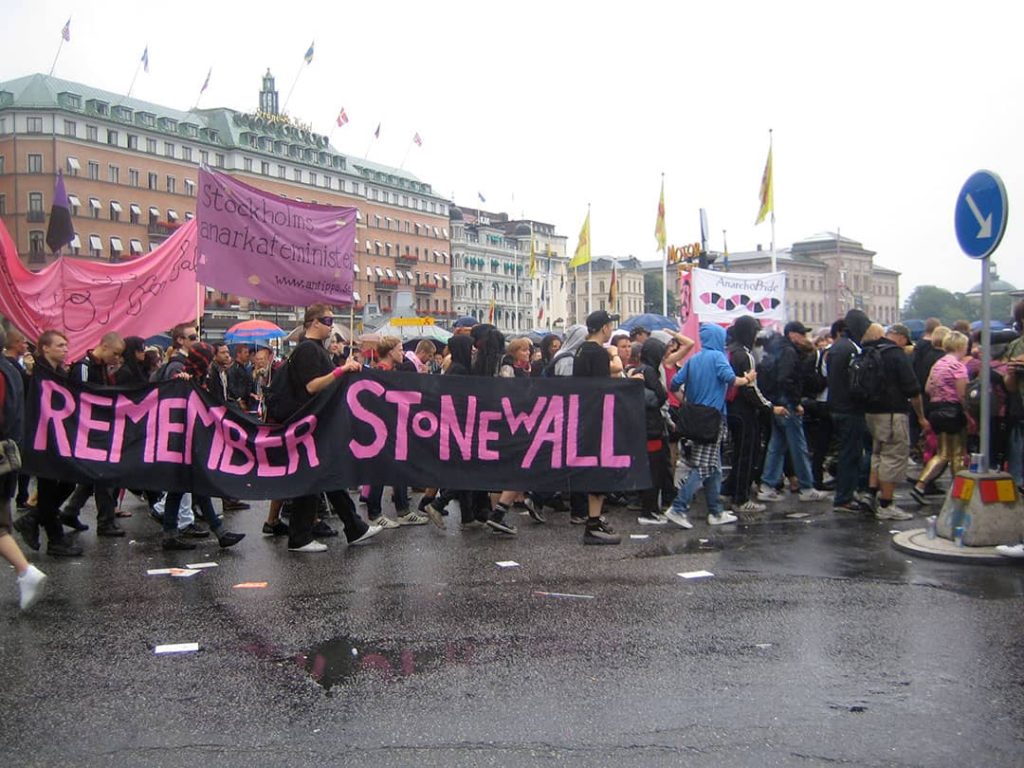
827,275
131,170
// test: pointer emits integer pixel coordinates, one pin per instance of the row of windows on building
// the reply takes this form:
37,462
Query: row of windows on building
92,243
175,151
858,283
37,212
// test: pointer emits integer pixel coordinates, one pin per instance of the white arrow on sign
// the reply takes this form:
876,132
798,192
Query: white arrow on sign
985,224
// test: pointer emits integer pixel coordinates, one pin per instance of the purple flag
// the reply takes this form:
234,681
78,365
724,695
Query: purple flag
262,246
60,231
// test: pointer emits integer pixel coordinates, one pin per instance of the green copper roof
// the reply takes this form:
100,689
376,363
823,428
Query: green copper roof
230,128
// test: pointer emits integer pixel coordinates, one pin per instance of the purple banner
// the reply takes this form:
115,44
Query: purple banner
262,246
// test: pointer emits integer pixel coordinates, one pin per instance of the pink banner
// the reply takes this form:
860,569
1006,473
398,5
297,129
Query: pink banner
85,298
267,247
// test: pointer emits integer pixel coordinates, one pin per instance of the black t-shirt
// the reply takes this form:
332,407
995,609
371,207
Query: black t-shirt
309,361
592,360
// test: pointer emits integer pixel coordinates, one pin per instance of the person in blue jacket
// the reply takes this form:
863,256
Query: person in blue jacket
706,376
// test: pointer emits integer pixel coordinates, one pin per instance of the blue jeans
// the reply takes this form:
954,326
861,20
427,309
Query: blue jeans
1015,459
712,488
850,429
788,431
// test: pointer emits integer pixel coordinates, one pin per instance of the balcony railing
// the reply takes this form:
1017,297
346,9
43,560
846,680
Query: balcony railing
36,216
426,287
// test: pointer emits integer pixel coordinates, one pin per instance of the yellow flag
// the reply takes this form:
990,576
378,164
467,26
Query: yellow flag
767,197
533,258
659,226
582,255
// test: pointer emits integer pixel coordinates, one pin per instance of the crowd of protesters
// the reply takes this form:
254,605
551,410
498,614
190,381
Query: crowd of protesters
841,414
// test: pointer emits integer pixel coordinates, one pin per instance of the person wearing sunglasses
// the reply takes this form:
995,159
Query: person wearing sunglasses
312,371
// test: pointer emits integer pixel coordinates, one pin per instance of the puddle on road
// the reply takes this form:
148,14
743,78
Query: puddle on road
672,547
340,659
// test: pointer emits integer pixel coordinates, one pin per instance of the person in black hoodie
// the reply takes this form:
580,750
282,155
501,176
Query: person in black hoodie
887,419
848,423
651,354
474,505
746,408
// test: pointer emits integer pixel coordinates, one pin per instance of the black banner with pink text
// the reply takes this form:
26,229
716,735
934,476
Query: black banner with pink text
462,433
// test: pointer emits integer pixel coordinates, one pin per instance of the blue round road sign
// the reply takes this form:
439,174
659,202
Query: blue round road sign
980,217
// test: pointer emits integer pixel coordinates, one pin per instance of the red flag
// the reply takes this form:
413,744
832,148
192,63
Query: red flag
342,117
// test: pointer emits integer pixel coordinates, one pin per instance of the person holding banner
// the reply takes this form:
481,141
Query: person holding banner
312,372
51,350
593,360
197,368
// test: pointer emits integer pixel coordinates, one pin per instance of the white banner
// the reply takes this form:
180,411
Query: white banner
720,297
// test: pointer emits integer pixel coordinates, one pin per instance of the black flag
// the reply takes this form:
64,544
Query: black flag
60,231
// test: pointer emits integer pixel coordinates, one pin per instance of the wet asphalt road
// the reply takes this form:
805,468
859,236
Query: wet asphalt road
815,642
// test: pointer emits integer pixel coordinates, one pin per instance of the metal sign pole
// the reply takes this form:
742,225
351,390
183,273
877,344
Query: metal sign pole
986,364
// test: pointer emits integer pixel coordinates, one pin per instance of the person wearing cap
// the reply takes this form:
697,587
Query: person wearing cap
592,361
784,387
887,419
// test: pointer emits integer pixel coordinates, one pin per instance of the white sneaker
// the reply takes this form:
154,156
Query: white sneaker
31,585
813,494
1011,550
412,517
313,546
654,518
372,531
722,518
383,522
764,493
750,507
678,518
892,512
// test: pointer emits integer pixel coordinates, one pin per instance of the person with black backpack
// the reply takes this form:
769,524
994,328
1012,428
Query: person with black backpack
886,413
848,422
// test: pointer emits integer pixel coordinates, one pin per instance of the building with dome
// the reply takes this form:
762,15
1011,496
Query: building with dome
827,275
491,268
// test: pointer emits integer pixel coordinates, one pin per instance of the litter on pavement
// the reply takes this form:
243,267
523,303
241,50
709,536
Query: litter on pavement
177,648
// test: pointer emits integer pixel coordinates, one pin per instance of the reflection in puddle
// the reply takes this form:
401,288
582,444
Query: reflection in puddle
337,660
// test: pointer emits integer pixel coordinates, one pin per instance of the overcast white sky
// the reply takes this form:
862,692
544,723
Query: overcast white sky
880,110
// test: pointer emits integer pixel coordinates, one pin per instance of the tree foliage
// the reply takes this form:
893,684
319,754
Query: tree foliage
652,294
931,301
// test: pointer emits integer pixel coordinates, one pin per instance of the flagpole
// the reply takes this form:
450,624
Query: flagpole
284,109
130,87
515,290
590,266
408,149
771,181
533,267
59,47
664,264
